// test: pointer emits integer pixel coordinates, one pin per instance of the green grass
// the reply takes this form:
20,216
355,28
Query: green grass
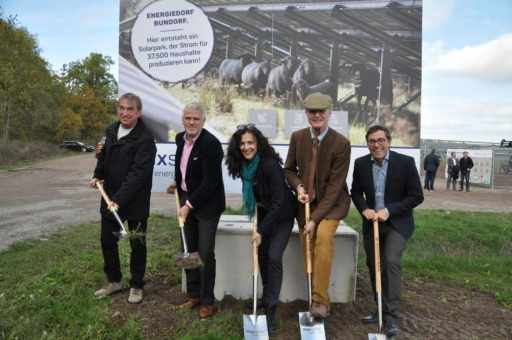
46,285
469,249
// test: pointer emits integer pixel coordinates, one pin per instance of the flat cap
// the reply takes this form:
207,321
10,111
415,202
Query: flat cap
318,101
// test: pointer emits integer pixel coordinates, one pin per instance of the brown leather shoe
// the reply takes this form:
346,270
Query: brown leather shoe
206,312
191,303
318,310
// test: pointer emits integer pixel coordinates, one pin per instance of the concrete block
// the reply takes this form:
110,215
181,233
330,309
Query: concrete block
233,252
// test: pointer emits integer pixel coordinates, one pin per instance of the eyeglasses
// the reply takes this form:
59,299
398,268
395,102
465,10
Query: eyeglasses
246,126
381,141
314,112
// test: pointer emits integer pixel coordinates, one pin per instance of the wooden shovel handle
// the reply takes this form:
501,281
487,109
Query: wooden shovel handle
103,193
178,206
254,246
378,287
308,247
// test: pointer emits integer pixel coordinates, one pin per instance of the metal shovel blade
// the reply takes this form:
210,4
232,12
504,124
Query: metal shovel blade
255,327
122,233
311,328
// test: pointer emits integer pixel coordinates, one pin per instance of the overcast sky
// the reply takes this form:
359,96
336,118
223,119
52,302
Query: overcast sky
467,63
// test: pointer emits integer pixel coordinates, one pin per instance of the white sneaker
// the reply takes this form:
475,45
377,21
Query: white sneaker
109,289
135,295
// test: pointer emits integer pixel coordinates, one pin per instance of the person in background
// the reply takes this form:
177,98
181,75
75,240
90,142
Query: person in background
466,164
200,186
125,164
453,170
430,166
386,188
251,158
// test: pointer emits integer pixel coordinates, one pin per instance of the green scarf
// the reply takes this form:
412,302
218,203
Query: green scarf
248,171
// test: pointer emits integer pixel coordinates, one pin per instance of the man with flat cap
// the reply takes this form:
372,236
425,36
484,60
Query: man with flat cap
316,167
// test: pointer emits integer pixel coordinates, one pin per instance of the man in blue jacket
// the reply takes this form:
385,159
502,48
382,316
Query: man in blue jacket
430,166
125,164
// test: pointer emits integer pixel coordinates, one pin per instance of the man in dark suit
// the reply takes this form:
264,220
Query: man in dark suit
323,184
386,188
199,183
430,166
453,165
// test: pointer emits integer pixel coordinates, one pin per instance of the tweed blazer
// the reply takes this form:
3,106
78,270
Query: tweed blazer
333,160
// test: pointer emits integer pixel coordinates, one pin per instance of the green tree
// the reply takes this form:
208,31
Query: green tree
92,112
27,86
92,72
70,125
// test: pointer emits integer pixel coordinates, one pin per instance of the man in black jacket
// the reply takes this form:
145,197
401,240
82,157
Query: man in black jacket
466,164
200,186
125,164
430,166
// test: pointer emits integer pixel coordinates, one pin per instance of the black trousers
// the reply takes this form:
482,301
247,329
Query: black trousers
392,246
138,256
430,177
200,235
270,257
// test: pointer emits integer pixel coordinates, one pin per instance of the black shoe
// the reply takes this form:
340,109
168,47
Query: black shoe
270,312
259,304
390,327
372,318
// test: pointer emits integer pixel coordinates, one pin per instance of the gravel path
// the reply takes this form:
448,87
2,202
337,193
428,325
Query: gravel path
40,199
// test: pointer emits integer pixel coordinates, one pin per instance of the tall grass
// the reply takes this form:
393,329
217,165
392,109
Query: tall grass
15,154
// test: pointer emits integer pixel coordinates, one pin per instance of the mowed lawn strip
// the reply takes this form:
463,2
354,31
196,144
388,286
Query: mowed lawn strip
46,286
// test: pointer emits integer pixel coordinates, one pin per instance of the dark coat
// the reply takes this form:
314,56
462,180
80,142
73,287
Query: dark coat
271,190
204,175
126,165
402,194
465,164
431,162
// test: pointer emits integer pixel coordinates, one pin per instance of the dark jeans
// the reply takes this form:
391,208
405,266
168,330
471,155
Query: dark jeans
464,175
430,177
200,235
392,245
112,265
270,257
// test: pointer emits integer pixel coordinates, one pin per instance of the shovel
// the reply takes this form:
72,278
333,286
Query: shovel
185,260
255,327
310,328
378,288
123,232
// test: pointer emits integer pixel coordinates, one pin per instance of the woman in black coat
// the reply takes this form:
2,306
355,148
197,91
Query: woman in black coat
251,158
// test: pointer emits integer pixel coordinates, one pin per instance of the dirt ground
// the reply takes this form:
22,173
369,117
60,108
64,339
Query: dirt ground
52,195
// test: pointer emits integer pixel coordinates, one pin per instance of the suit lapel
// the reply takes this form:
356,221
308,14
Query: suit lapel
389,171
369,174
195,149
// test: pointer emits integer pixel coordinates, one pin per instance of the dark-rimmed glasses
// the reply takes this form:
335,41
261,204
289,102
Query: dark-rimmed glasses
243,126
381,141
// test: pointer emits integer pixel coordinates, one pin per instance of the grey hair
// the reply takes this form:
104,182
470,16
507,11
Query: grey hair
195,106
133,98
